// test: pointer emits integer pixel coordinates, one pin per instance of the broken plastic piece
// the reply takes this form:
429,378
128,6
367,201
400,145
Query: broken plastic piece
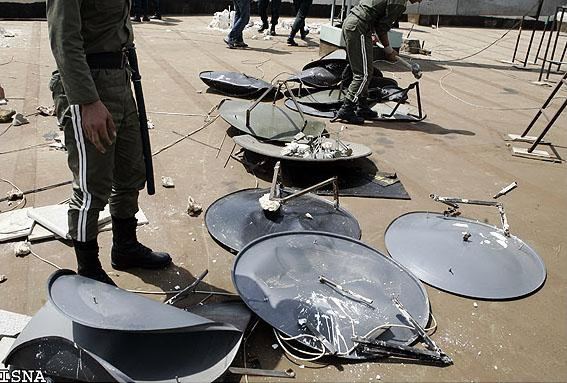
19,119
193,208
167,182
21,249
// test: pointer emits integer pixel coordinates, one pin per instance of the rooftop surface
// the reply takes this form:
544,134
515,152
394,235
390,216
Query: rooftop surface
459,150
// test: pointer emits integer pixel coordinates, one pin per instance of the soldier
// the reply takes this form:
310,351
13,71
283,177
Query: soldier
365,18
89,40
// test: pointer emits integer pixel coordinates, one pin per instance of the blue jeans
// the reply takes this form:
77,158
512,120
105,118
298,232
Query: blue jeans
241,19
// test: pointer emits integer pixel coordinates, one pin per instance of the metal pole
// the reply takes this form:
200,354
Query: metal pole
547,47
562,57
333,13
533,32
518,39
542,38
545,104
555,42
549,125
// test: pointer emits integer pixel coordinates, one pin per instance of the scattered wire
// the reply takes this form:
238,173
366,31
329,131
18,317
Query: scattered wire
257,65
8,62
208,121
44,260
21,201
25,148
5,130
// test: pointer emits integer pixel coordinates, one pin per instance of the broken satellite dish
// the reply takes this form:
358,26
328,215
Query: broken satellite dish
323,99
316,77
311,111
296,281
393,111
335,65
464,256
268,121
234,83
277,151
85,318
238,219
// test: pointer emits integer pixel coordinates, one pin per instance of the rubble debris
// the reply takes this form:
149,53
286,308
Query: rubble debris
19,119
222,21
167,182
414,46
268,204
21,249
193,208
6,115
46,110
3,278
14,195
317,148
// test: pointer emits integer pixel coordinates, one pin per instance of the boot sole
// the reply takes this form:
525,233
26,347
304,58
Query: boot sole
116,266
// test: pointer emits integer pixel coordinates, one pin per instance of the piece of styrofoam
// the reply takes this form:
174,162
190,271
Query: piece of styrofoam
54,218
40,233
5,346
15,224
11,324
140,216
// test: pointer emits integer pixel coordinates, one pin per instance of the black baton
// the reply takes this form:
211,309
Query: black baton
139,94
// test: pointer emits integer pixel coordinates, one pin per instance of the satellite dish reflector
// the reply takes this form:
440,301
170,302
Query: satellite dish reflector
464,256
237,219
290,279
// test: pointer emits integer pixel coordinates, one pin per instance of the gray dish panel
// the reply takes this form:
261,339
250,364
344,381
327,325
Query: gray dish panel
268,121
488,266
277,276
107,307
237,219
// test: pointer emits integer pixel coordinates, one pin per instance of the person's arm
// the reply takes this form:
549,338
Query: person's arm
394,10
2,95
64,26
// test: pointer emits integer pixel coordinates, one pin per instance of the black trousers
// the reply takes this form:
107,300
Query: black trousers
263,11
302,8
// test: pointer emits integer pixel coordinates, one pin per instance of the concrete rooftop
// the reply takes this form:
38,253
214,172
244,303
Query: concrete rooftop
457,151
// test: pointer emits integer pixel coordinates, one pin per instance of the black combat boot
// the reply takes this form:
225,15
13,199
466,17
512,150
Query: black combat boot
303,32
347,113
88,264
363,110
273,30
127,252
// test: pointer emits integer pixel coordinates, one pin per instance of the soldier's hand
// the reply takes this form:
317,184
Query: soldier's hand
98,125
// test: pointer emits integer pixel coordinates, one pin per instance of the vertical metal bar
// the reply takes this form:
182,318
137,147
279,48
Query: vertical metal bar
562,57
533,32
549,125
275,178
333,13
545,104
541,41
418,100
518,40
547,47
555,42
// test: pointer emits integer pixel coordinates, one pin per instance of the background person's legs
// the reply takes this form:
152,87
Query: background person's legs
302,8
263,12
